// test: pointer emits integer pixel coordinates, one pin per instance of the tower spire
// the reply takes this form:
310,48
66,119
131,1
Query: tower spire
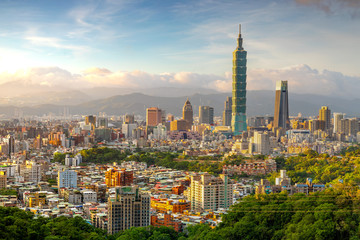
240,40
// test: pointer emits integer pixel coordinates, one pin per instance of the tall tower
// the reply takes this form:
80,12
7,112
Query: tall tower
206,115
337,121
281,115
238,120
153,116
325,115
227,112
188,113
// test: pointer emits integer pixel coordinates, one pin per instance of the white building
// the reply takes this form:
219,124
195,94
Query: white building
75,161
208,192
260,143
67,179
127,129
89,196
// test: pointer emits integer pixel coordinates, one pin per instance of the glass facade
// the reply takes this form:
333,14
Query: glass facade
238,120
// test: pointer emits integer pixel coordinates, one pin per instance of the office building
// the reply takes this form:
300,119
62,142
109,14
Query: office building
67,179
179,125
122,177
337,119
153,116
129,119
127,129
325,115
128,208
260,143
159,132
281,114
208,192
11,145
227,112
188,114
90,120
238,120
103,122
206,115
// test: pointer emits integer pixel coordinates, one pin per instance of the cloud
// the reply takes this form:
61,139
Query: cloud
306,80
54,43
333,6
302,79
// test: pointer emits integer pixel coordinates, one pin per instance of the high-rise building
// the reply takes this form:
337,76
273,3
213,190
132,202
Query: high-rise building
337,119
128,208
260,143
115,178
206,115
90,120
67,179
153,116
11,145
179,125
103,122
227,112
210,192
188,114
129,119
238,120
349,126
281,115
325,115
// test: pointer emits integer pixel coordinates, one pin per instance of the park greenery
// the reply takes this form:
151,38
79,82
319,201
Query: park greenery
174,160
5,191
322,168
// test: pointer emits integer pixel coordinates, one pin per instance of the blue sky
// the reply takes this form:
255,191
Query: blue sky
198,37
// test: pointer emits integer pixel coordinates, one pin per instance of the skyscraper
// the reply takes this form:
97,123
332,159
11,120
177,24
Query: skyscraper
281,115
11,145
188,113
227,112
129,119
206,115
238,120
337,119
325,115
90,120
153,116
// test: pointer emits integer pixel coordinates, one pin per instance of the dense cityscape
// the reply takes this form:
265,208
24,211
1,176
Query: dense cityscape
198,175
183,173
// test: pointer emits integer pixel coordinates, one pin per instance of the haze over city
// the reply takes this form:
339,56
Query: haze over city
141,44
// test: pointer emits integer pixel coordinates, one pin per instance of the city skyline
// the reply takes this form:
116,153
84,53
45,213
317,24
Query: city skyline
133,44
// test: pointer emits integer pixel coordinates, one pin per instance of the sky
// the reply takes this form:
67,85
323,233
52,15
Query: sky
314,44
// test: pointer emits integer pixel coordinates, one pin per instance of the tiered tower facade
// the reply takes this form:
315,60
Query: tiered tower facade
238,120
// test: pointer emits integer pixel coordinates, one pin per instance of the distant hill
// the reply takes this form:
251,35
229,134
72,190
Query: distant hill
258,103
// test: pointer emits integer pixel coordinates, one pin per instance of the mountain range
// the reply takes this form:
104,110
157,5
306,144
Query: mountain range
122,101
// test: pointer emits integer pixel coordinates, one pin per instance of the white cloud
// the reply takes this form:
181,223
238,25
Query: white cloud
53,42
302,79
